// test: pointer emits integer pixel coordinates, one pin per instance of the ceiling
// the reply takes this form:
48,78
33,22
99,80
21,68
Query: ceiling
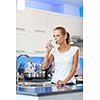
71,2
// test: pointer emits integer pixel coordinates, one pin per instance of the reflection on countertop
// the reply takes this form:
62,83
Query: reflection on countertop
45,88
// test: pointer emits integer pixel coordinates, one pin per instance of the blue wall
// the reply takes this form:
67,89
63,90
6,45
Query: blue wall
24,61
81,11
81,66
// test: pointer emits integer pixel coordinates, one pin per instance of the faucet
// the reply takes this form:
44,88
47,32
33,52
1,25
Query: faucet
30,60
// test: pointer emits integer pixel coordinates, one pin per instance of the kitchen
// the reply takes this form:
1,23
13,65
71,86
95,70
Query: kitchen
33,28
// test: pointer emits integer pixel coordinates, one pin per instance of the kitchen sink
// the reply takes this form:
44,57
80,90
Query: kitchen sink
34,84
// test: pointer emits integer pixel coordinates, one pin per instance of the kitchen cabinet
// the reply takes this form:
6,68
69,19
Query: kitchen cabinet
34,28
73,24
31,30
39,21
30,42
31,20
21,19
34,20
23,40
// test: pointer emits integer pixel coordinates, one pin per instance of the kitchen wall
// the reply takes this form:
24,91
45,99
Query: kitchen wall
61,8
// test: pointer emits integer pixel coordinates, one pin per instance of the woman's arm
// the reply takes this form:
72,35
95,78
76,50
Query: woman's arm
48,56
47,61
73,70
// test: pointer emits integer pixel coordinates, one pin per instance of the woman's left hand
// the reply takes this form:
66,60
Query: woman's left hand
60,83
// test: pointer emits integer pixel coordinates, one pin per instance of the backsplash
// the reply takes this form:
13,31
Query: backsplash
23,61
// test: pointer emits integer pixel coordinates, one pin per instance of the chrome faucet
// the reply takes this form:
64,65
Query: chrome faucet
30,60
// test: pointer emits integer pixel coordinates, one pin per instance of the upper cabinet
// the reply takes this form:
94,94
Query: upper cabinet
34,28
31,31
37,21
73,24
20,19
33,20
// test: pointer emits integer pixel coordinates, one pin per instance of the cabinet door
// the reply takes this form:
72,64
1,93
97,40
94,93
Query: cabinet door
23,41
39,41
36,20
34,36
20,19
31,42
55,20
72,24
24,19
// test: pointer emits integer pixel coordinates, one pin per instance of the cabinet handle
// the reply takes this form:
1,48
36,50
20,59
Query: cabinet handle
20,29
20,51
39,51
40,31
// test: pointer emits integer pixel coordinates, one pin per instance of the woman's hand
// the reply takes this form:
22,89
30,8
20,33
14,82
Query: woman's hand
49,46
60,83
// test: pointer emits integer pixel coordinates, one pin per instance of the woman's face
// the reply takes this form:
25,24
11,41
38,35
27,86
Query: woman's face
59,37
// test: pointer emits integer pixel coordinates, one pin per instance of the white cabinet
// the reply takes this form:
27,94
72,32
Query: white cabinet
35,27
36,20
31,20
23,41
74,25
24,19
39,20
54,20
31,33
31,42
20,19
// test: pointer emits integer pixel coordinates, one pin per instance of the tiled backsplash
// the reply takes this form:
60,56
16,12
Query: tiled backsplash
38,60
24,61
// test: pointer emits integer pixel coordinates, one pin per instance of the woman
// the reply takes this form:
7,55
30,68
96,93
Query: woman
65,58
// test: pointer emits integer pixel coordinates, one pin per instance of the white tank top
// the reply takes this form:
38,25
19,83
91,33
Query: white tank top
63,64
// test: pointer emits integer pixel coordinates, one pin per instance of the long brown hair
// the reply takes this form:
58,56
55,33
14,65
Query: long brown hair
63,31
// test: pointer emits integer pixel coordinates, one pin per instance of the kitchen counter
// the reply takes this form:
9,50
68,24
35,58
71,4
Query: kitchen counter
47,89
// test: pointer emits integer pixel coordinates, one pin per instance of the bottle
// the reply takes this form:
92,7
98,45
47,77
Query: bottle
17,77
31,69
43,74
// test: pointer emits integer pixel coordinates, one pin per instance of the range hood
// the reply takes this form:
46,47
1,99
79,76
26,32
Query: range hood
76,40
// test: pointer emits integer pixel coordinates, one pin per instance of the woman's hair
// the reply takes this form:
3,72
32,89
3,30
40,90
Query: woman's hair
63,31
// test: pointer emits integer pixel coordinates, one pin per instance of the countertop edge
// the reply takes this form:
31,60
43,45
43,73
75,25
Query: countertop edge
49,93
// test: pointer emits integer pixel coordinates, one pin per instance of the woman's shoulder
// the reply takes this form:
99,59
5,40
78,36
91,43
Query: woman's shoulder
75,47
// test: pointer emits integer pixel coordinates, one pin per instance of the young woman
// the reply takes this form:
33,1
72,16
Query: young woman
65,57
